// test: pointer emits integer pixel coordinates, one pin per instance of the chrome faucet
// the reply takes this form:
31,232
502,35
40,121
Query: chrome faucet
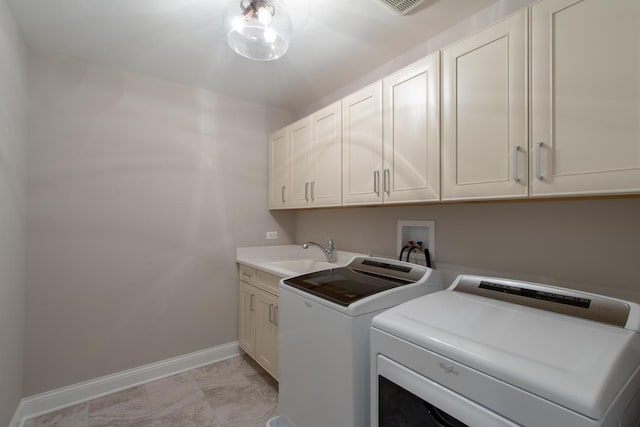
328,251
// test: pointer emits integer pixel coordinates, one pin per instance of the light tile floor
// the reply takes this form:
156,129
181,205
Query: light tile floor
233,393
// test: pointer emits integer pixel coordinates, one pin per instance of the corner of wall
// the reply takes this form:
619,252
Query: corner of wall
13,152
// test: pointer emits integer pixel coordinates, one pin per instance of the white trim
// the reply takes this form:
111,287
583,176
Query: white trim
49,401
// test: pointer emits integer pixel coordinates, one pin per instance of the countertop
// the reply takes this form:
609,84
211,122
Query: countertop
266,258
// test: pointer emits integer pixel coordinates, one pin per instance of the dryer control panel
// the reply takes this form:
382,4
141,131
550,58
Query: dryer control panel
545,297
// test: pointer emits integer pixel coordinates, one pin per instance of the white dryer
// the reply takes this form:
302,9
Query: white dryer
497,352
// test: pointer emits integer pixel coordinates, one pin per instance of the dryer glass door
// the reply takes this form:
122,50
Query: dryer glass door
401,408
407,399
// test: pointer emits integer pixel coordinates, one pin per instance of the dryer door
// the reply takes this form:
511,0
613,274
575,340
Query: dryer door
407,399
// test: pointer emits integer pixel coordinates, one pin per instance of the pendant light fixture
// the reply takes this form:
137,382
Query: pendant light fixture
257,29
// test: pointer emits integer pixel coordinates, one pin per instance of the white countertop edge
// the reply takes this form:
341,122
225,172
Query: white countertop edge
263,257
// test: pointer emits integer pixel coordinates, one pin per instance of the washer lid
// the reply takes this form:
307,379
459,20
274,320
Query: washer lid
577,363
362,278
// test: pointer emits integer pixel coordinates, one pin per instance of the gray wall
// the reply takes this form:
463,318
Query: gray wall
587,244
13,148
140,190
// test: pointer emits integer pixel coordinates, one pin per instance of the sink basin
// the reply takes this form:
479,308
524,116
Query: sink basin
302,266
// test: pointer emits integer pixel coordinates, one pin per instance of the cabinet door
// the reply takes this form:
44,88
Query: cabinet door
247,321
585,97
484,108
279,169
326,155
411,110
362,146
267,332
301,168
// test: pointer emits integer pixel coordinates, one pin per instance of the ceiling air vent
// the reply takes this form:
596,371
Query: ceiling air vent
401,7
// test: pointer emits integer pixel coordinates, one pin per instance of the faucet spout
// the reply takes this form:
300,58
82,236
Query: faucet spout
328,252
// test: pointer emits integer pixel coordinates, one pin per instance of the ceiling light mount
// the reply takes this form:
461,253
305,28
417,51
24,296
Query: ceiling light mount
257,29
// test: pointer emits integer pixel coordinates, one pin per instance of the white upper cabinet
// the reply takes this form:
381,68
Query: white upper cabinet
544,103
585,93
300,142
316,159
325,188
362,146
279,169
411,136
484,113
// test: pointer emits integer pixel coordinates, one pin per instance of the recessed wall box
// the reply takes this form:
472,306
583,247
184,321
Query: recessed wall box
417,231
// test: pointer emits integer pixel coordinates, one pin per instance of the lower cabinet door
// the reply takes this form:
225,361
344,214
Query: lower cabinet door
267,331
247,326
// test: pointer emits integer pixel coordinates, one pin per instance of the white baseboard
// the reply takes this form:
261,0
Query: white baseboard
49,401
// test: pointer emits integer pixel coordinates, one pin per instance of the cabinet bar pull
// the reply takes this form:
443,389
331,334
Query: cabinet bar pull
376,182
313,190
516,175
538,167
283,187
387,182
306,191
251,303
270,313
276,315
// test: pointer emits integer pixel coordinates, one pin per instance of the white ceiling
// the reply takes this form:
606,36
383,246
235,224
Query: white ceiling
334,41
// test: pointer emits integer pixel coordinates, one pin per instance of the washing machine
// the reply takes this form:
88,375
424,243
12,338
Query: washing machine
324,325
497,352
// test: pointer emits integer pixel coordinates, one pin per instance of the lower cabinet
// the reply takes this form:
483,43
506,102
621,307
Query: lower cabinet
247,326
259,315
267,331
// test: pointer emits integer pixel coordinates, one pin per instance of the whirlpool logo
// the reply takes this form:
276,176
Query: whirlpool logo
448,369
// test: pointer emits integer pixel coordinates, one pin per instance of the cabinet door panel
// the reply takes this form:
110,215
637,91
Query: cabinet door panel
247,322
279,169
585,97
267,332
300,170
412,133
326,186
362,146
482,114
485,113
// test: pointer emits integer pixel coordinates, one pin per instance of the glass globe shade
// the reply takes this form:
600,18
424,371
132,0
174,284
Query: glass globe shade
259,36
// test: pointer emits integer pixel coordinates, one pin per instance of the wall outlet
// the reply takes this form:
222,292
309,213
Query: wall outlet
272,235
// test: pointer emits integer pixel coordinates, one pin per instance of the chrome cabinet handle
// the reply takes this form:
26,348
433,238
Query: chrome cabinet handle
516,175
283,187
313,190
387,182
306,191
538,160
270,313
251,307
276,315
376,182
